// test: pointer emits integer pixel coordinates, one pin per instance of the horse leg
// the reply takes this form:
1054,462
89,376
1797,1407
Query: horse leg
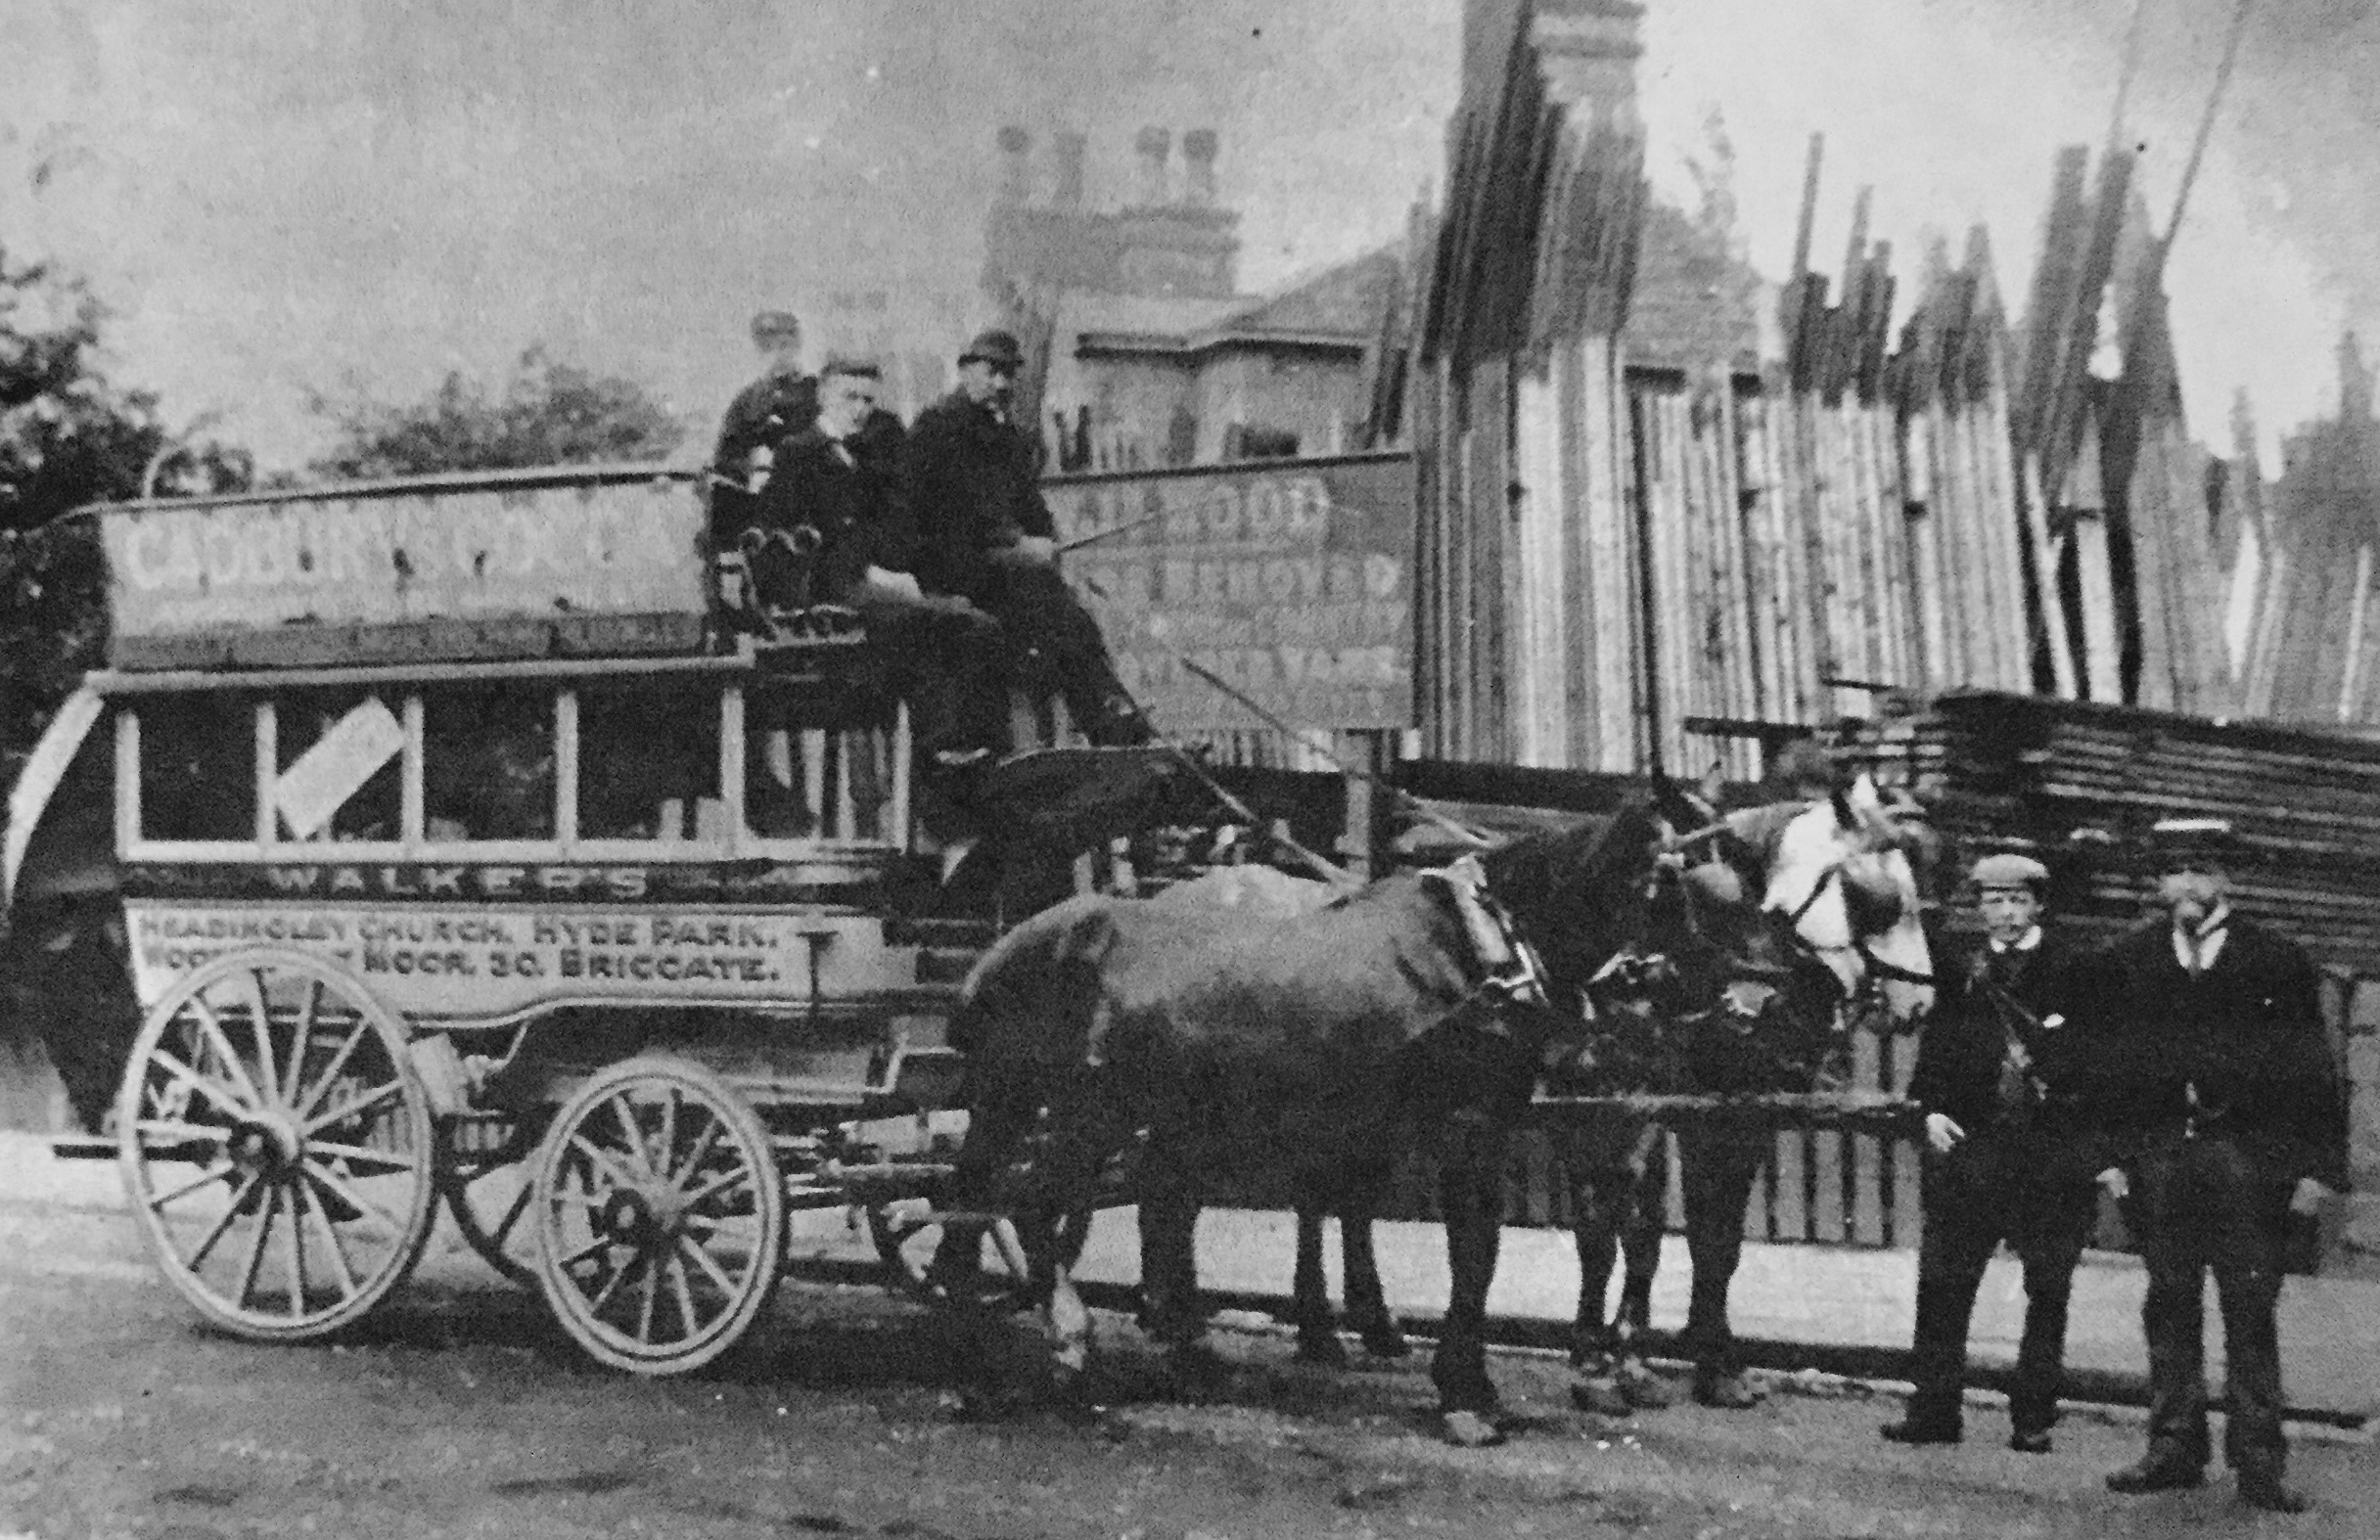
1471,1191
1643,1222
1717,1169
1594,1227
1309,1294
1367,1307
1168,1285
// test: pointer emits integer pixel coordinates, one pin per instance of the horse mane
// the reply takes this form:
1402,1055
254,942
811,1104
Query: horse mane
1592,869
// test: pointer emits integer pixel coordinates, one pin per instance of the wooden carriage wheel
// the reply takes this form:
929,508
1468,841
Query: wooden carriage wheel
490,1183
659,1216
276,1145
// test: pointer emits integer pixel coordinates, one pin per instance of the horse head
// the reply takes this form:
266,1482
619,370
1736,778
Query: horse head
1837,874
1578,894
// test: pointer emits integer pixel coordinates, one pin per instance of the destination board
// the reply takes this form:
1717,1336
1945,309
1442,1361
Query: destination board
1291,579
580,561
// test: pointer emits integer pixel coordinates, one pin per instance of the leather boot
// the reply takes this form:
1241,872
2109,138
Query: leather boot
2261,1487
2158,1471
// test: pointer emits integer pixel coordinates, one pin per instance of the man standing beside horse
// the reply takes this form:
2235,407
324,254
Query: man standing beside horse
2004,1075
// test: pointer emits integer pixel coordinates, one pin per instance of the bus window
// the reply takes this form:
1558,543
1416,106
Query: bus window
197,768
487,762
339,775
648,762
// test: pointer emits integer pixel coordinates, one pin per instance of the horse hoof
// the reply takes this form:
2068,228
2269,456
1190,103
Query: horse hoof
1197,1370
1644,1389
1601,1395
1323,1349
1726,1392
1470,1430
1386,1342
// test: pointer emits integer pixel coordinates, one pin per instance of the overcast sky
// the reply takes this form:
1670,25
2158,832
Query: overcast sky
306,194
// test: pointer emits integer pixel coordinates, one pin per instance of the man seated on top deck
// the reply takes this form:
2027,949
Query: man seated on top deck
985,535
836,479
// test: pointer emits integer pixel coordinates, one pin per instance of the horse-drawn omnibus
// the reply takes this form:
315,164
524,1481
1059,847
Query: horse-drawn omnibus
475,853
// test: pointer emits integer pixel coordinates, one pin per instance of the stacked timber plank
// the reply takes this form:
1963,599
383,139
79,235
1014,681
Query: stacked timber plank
2085,782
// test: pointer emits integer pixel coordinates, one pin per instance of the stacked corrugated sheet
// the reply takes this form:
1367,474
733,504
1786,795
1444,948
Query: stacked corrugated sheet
2087,782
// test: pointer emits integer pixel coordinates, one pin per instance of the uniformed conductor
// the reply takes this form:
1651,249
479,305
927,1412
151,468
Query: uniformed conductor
2012,1150
2228,1116
985,535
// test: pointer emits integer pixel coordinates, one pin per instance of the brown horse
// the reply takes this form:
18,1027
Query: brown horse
1228,1048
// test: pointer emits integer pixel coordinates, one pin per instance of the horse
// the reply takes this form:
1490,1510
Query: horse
1753,1001
1221,1048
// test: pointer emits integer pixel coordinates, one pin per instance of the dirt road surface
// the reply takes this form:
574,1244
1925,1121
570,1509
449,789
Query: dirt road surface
461,1410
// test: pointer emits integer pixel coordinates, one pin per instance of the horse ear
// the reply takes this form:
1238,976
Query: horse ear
1846,818
1708,789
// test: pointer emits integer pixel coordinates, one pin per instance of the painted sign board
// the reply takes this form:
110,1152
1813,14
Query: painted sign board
1291,579
508,565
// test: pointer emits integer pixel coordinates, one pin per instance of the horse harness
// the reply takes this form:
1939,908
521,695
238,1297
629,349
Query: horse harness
1510,969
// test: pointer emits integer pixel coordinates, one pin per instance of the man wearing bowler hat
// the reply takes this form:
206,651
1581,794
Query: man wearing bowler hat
2004,1074
985,534
2228,1118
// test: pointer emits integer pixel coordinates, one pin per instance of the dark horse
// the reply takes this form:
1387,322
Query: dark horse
1813,914
1231,1048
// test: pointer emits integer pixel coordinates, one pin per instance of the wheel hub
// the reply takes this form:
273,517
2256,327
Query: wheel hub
270,1141
635,1217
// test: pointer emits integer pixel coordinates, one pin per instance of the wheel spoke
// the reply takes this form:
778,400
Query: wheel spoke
630,1135
337,1249
305,1103
619,1276
222,1226
297,1212
587,1253
211,1027
726,1180
357,1155
206,1178
718,1276
256,1252
602,1157
321,1177
644,1310
261,1027
669,1140
350,1108
198,1082
684,1299
702,1144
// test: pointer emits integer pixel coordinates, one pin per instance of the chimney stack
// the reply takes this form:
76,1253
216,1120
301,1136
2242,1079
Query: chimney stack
1016,172
1199,148
1154,144
1072,145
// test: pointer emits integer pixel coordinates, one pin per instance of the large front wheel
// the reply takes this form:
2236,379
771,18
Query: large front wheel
660,1219
276,1145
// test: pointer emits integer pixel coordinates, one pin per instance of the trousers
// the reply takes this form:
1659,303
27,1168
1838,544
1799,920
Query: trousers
1047,625
1996,1187
2197,1206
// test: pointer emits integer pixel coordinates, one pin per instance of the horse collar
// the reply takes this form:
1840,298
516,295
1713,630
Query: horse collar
1510,964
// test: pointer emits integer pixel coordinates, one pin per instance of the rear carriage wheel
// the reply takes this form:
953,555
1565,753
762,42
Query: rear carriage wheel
276,1145
659,1216
490,1183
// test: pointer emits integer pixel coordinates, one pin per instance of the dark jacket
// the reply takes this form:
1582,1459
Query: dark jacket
1965,1045
855,505
765,412
2246,1036
974,484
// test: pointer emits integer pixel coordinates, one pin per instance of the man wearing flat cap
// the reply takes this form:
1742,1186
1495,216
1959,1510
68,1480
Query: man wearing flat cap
782,402
973,479
2004,1074
2228,1116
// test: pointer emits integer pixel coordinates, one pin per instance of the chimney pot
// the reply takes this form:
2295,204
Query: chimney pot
1015,171
1155,145
1072,146
1199,149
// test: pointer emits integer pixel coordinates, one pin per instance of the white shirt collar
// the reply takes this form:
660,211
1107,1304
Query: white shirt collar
2027,942
2206,941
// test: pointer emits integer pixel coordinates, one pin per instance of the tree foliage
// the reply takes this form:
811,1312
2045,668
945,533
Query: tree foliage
547,413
